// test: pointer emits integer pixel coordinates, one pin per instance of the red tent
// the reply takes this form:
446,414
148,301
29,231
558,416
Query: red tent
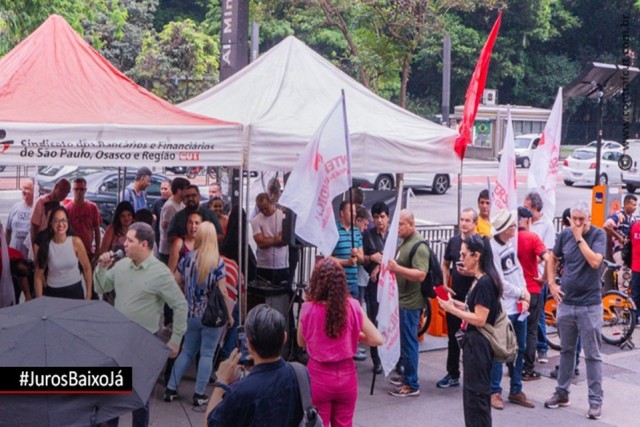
61,101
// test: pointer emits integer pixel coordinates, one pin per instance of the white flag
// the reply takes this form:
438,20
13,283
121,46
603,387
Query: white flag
322,172
505,195
389,309
543,174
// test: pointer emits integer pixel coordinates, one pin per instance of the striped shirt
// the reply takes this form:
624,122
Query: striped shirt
232,273
196,293
343,251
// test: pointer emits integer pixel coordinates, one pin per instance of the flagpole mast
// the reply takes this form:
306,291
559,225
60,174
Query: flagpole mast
346,140
459,192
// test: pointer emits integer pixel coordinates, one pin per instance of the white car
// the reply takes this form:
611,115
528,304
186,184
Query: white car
606,145
580,167
438,183
524,146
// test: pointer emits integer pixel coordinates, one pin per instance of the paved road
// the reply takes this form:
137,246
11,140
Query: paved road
444,407
428,208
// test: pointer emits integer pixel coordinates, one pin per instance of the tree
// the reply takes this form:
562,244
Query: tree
19,18
121,44
179,62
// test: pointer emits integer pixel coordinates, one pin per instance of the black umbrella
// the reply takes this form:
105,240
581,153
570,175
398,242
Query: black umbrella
59,332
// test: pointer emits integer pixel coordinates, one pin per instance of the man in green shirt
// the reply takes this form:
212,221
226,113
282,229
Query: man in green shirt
143,285
409,274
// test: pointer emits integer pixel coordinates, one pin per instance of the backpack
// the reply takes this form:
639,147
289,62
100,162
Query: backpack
626,252
502,337
434,273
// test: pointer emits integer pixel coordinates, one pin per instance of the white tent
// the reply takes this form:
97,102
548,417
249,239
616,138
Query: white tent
282,97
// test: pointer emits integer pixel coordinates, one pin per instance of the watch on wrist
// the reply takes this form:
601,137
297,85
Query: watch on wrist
223,386
579,241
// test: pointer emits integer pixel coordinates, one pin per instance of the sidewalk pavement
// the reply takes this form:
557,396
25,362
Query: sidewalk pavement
621,406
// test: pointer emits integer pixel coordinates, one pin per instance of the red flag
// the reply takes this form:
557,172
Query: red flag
475,90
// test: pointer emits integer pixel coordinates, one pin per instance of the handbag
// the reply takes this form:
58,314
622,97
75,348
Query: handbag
502,338
310,416
215,315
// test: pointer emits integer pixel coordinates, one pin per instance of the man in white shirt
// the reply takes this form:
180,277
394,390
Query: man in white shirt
272,255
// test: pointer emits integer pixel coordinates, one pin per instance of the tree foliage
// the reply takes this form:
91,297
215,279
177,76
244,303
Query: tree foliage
179,62
19,18
394,47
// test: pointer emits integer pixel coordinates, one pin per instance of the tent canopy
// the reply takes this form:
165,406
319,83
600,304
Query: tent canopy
282,98
62,102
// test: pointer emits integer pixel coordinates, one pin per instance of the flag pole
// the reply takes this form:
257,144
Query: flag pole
346,141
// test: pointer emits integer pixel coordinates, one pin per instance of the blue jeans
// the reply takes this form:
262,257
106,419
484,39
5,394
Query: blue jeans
515,368
409,321
197,337
231,338
542,322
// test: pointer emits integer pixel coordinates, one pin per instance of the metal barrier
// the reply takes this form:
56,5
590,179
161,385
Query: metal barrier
436,235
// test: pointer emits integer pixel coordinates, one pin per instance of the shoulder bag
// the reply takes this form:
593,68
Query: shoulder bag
310,416
502,338
215,315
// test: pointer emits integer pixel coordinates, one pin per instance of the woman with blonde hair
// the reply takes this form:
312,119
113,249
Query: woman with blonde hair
199,271
331,324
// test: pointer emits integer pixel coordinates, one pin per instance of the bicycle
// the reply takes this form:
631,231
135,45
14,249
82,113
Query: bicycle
618,314
618,311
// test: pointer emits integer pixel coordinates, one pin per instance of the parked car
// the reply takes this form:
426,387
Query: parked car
102,189
438,183
631,177
49,175
177,170
606,145
524,146
579,167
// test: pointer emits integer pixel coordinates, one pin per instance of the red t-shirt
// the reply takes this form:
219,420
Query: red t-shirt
634,232
83,219
530,247
13,255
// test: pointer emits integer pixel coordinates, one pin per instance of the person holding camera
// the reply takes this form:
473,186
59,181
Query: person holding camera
269,395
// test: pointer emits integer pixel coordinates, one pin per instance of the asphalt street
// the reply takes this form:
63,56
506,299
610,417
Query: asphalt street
428,208
443,407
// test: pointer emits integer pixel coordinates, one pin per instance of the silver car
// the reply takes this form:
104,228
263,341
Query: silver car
437,183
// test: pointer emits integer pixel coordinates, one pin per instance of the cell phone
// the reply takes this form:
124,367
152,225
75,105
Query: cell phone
243,348
441,293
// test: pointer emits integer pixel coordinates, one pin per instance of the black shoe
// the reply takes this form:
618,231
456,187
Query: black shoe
400,369
199,399
377,369
170,395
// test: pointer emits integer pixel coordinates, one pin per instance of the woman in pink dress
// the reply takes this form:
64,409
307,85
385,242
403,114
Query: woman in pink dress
331,324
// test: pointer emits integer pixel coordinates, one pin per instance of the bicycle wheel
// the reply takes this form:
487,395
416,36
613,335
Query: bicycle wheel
552,335
618,317
426,315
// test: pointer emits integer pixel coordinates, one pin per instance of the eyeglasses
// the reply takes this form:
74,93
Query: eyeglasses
59,221
189,196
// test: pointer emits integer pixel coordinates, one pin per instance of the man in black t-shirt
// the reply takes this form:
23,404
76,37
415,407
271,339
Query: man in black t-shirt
373,241
459,288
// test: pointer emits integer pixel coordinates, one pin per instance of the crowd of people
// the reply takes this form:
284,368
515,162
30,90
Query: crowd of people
157,265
